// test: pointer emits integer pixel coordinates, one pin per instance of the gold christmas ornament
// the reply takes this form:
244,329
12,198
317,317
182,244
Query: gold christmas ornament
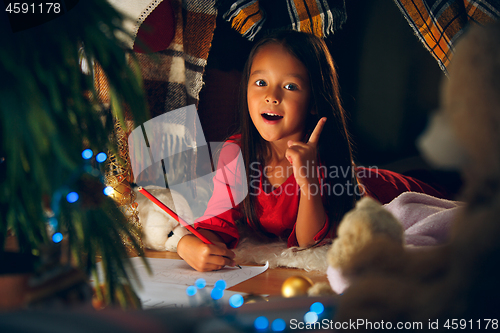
118,176
296,286
252,298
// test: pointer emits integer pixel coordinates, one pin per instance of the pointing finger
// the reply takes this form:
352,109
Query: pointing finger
313,139
291,143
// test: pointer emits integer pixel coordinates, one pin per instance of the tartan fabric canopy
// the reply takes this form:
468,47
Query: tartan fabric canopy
439,23
249,17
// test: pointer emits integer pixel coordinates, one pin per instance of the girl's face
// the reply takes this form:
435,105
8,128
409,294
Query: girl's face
278,94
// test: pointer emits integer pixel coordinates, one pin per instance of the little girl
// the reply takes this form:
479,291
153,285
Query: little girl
296,154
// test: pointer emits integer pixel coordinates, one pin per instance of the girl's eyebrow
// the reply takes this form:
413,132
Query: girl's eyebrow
257,72
296,75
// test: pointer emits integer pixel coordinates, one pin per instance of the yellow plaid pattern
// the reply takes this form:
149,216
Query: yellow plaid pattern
439,23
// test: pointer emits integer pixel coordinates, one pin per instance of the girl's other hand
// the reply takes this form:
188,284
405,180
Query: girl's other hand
204,257
303,158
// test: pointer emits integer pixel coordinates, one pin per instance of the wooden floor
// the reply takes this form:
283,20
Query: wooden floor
267,283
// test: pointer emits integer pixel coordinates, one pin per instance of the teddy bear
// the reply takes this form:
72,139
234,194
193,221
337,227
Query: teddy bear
411,222
458,279
367,221
161,231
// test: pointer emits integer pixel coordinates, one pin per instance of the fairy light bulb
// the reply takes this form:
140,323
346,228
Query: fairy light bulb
191,290
87,154
217,293
236,301
220,284
108,190
57,237
200,283
101,157
317,307
261,323
311,317
278,325
72,197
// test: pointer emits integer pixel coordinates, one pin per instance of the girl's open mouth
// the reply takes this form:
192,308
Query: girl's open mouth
271,116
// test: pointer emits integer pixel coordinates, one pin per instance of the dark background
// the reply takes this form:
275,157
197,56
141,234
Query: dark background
389,83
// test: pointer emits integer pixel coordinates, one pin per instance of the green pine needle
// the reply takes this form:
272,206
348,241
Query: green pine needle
47,117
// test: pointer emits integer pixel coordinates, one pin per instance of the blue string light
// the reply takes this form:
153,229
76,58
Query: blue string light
311,317
317,307
191,290
101,157
72,197
217,293
200,283
236,301
221,284
57,237
87,154
278,325
108,190
261,323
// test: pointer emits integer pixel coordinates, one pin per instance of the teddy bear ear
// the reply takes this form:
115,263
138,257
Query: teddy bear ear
439,144
366,202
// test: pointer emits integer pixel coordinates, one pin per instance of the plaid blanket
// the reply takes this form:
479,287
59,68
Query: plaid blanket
439,23
249,17
172,77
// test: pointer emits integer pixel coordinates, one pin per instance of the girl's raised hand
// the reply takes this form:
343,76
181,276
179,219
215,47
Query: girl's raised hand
204,257
303,158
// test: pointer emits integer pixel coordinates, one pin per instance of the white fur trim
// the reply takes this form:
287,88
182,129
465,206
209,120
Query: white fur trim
250,250
171,243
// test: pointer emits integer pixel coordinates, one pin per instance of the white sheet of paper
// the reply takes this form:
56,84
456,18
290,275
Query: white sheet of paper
166,287
164,295
178,272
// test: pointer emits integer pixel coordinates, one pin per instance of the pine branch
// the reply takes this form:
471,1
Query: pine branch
48,114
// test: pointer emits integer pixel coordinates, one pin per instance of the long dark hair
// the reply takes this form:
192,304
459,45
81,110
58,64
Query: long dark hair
334,146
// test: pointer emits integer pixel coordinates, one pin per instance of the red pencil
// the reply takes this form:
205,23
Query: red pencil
175,216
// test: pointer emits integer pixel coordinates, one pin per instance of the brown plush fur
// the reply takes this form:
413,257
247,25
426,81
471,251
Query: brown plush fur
461,279
321,289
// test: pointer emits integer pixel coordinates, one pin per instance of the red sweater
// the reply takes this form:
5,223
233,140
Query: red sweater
277,210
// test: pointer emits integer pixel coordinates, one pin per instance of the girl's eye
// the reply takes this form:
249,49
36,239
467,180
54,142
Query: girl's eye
291,86
260,83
